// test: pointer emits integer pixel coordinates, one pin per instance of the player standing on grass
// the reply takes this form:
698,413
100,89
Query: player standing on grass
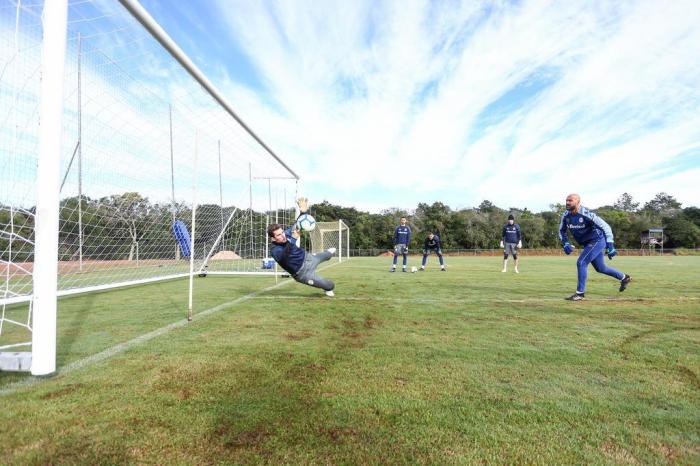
432,243
294,259
596,237
402,236
511,239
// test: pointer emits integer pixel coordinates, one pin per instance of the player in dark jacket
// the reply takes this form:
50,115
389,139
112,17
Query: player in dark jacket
432,243
511,240
402,237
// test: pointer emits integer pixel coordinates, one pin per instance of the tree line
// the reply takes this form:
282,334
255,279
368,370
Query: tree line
480,227
115,227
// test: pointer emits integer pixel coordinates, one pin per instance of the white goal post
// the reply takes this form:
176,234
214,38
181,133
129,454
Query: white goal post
331,235
121,164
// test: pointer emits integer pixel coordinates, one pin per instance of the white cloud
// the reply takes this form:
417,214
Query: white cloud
384,99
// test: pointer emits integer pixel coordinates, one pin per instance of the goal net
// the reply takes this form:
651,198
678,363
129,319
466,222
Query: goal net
331,235
155,176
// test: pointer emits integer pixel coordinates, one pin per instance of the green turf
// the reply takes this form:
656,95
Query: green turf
463,367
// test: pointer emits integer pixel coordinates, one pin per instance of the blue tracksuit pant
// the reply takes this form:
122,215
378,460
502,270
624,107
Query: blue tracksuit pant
594,253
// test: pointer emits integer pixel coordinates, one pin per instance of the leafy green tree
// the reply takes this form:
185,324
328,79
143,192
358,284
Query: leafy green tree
486,206
533,229
17,229
126,215
619,221
663,204
625,203
681,233
692,214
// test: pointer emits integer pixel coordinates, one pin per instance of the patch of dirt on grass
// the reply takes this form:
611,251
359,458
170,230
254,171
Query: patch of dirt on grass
338,434
240,440
305,373
316,367
667,451
352,343
618,454
371,322
689,375
299,335
62,391
349,323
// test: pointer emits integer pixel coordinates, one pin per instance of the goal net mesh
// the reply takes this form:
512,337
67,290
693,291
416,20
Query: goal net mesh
143,145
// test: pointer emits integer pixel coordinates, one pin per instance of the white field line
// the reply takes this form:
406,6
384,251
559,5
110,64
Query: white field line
121,347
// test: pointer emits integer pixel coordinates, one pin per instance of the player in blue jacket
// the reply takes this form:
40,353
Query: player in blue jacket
294,259
596,237
511,239
432,243
402,237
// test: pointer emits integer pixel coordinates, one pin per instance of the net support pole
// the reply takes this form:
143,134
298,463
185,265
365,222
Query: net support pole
269,213
45,274
221,188
172,174
80,160
340,240
194,219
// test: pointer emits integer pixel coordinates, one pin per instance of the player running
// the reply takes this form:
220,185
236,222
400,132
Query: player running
596,237
402,237
432,243
300,264
511,240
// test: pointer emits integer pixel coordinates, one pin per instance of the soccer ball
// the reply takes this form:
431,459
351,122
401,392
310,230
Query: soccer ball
414,269
306,222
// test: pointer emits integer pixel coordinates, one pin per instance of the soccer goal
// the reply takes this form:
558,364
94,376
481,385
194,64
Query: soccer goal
331,235
121,164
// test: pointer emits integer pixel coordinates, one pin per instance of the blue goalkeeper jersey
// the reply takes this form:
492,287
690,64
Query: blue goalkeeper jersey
290,256
433,244
585,226
511,233
402,235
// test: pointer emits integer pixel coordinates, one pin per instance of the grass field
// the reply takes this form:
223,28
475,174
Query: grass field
464,367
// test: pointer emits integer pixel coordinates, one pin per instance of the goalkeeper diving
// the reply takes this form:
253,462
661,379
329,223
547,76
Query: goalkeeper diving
289,254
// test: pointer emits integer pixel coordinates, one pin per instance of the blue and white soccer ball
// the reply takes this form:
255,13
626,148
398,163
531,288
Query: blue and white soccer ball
306,222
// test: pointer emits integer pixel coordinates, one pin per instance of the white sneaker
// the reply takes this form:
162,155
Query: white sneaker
331,250
330,293
503,270
516,271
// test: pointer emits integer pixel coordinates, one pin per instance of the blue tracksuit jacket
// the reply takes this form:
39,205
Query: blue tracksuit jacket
585,226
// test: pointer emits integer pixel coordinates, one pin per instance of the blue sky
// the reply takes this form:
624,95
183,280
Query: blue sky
381,104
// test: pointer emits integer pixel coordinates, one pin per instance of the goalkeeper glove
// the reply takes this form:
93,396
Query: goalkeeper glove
520,244
611,250
568,248
303,204
502,244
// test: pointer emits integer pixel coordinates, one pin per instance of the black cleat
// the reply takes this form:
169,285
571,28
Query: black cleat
624,282
404,270
575,297
392,270
443,270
